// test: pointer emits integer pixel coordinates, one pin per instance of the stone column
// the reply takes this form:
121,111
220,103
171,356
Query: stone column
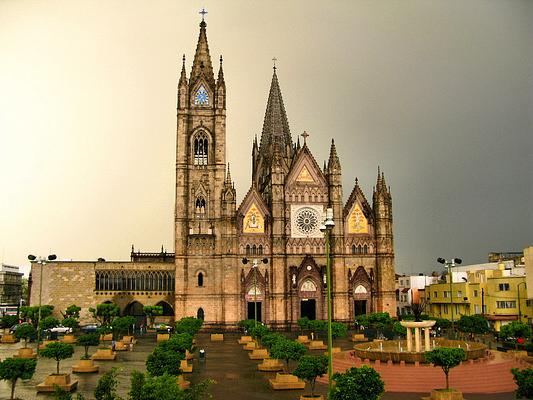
417,340
409,340
427,346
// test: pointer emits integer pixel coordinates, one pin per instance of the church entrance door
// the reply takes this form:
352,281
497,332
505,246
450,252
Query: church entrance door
308,308
251,310
359,307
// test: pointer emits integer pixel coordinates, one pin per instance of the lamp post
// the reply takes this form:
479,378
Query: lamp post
326,228
41,261
519,307
449,264
254,266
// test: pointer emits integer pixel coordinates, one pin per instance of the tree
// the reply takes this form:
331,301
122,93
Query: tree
287,350
317,325
32,313
377,320
524,381
178,342
259,331
48,323
303,324
362,383
151,312
338,330
473,324
61,394
106,388
88,340
13,369
58,351
72,311
418,309
9,320
105,313
515,329
189,325
122,325
309,368
161,361
71,323
164,387
441,323
272,338
26,332
246,324
446,358
399,329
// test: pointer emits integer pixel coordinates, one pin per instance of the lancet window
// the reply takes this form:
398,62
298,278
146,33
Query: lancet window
200,149
138,280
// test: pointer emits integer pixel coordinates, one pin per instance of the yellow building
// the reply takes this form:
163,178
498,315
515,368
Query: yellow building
500,294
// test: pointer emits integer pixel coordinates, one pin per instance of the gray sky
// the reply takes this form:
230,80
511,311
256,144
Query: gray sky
438,93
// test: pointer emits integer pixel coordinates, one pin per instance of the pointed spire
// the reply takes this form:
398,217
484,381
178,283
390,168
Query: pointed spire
183,77
378,183
220,73
276,130
202,60
333,163
228,175
298,143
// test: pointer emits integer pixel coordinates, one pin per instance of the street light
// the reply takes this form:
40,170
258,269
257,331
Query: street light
254,266
519,308
326,228
449,264
41,261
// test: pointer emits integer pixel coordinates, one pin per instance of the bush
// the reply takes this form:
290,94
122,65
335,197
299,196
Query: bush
48,323
446,358
105,313
287,350
524,381
303,324
72,311
317,326
26,332
31,313
151,312
9,320
106,389
399,329
178,342
362,383
13,369
272,338
259,331
163,387
377,320
246,324
338,330
122,325
58,351
88,340
161,362
311,367
515,329
473,324
72,323
189,325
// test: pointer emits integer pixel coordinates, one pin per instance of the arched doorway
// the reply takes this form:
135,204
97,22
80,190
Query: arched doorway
360,292
307,290
135,309
308,294
168,311
200,314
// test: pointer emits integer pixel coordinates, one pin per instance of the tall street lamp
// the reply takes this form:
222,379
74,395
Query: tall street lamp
519,307
254,266
449,264
41,261
326,228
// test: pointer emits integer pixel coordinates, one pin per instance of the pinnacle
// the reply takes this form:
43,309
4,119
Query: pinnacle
202,60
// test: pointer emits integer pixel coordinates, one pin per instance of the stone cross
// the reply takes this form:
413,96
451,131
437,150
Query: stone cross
203,12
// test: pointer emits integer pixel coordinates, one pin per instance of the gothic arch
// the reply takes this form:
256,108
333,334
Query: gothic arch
134,309
201,145
168,311
249,281
307,284
359,292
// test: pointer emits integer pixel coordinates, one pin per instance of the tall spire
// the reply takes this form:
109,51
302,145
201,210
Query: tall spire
276,130
201,65
220,79
333,162
183,77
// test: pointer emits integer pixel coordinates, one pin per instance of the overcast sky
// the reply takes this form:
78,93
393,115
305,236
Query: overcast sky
437,93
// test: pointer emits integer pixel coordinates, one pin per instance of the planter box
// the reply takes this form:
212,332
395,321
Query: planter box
443,394
121,346
270,365
185,367
217,337
8,339
333,350
69,339
85,366
26,353
182,382
304,339
128,340
286,382
258,354
162,337
317,345
309,397
108,337
358,337
61,380
104,355
244,339
250,346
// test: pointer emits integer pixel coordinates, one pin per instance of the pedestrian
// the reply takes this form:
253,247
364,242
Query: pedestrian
113,345
131,346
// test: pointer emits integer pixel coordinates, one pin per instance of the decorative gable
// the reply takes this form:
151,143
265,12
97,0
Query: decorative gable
253,214
305,170
254,221
357,222
305,176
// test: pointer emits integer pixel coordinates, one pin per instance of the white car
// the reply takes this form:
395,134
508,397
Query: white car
60,329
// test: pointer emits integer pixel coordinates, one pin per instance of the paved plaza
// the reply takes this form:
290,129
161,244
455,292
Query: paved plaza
236,375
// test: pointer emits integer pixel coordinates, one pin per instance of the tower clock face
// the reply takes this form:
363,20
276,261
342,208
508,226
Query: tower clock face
305,221
202,97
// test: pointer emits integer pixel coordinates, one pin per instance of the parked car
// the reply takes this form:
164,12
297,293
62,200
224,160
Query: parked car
15,327
162,327
60,329
89,328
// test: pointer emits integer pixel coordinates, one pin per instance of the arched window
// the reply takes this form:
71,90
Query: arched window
200,149
247,249
365,249
200,279
359,249
353,249
260,249
199,205
200,314
254,249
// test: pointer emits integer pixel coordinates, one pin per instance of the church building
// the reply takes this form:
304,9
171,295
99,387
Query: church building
264,256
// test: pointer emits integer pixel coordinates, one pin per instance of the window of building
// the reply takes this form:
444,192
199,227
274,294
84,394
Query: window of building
445,308
260,249
456,306
475,294
199,205
529,302
365,249
503,287
506,304
200,314
476,309
353,249
459,293
200,149
445,294
200,279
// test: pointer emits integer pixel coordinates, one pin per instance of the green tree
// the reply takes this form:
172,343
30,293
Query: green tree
446,358
515,329
524,381
317,326
161,361
338,330
311,367
189,325
442,323
105,313
287,350
61,394
246,324
272,338
88,340
31,313
48,323
259,331
123,325
399,329
473,324
303,324
151,312
106,388
72,311
72,323
26,332
9,320
58,351
178,342
164,387
13,369
362,383
377,320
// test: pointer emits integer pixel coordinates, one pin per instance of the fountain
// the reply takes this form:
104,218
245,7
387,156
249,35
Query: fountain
412,349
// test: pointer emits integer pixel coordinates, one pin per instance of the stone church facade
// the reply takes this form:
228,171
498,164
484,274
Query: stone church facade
276,227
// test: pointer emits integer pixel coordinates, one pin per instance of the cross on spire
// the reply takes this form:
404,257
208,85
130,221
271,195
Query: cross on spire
305,135
203,12
274,60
